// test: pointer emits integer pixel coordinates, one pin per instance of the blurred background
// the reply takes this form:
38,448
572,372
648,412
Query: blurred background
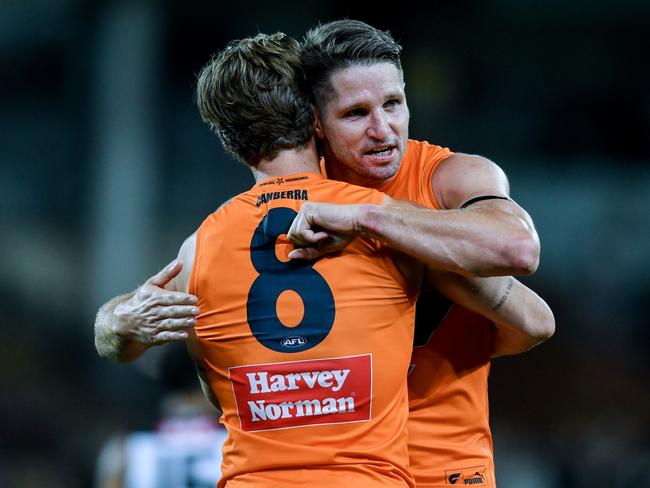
106,167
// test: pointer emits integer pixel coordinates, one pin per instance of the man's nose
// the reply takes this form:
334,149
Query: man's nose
379,128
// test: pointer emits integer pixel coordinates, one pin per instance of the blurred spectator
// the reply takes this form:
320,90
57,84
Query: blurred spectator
183,450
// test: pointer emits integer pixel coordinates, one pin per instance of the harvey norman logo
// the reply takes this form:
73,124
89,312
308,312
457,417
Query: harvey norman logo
300,393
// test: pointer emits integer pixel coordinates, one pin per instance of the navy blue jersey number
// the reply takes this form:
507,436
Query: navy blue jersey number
430,311
275,277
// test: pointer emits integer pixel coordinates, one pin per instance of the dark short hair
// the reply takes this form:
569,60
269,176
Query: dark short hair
253,96
335,45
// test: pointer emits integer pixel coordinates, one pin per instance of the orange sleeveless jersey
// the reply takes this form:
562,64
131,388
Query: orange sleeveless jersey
449,433
308,361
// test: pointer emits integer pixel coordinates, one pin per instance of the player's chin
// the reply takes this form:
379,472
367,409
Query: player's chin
379,175
381,169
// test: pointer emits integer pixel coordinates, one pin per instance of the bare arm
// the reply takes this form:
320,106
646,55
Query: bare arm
108,343
154,314
522,319
195,353
182,283
487,238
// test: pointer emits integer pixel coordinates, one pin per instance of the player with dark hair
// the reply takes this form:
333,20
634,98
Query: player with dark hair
470,226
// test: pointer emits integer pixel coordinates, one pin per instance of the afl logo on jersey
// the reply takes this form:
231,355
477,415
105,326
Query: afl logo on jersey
294,341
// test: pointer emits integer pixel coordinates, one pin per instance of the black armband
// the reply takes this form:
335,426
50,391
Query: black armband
484,197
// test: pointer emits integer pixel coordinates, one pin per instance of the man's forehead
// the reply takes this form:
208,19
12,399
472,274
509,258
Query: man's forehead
360,81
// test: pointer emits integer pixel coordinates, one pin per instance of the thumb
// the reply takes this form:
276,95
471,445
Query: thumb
306,253
167,274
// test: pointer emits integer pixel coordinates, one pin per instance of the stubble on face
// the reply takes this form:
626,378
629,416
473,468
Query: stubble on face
364,123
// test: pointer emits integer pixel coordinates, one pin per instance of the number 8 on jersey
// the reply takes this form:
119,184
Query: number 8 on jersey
274,278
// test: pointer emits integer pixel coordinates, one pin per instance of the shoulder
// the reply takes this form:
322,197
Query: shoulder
228,212
188,246
424,151
186,255
335,191
461,177
413,178
235,203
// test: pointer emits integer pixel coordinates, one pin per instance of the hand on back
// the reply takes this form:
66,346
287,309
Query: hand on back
156,313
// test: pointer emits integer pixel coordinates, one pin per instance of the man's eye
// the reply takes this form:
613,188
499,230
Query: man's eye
391,103
354,113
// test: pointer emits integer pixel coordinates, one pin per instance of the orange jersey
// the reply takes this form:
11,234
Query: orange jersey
449,433
308,360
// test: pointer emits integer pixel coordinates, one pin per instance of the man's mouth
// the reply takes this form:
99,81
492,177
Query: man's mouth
379,151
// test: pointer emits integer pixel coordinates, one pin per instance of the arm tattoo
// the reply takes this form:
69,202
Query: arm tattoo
504,298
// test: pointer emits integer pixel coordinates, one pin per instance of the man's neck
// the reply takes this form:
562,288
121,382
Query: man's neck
288,161
342,173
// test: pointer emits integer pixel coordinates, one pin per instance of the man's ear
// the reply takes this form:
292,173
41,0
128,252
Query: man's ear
316,120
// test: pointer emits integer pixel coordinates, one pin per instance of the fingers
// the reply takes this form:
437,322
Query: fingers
155,316
333,243
301,232
168,330
176,298
307,253
306,236
166,336
175,325
308,240
168,273
176,311
149,296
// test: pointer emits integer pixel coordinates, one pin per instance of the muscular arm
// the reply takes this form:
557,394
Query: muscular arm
522,319
487,238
